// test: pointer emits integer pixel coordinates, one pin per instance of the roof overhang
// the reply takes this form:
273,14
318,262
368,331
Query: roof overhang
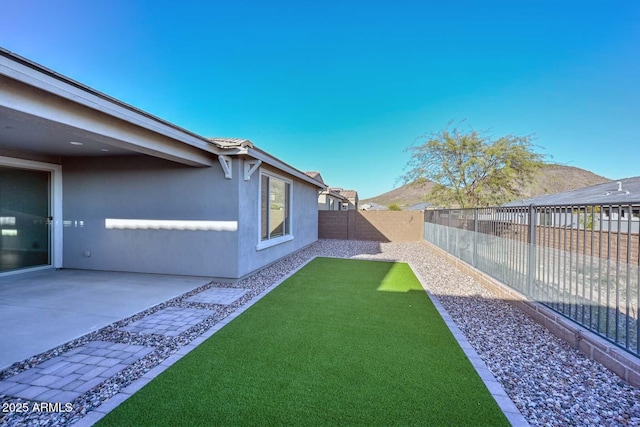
259,154
42,112
46,115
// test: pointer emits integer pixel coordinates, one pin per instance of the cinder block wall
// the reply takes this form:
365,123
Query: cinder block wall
333,224
380,226
597,243
602,244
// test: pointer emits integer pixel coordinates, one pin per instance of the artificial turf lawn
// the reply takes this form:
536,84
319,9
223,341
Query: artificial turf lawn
341,342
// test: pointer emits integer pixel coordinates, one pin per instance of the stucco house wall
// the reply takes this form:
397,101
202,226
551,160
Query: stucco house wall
143,187
304,222
129,191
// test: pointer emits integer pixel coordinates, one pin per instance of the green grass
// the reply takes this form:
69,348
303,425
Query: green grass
341,342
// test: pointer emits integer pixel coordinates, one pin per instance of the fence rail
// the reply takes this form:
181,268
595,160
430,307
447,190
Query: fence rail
581,261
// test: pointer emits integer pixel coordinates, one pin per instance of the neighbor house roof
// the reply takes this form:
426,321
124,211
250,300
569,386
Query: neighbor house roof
372,206
336,195
625,190
419,206
346,193
315,175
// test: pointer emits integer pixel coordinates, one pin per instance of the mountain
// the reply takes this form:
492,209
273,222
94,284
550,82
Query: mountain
554,178
407,195
551,179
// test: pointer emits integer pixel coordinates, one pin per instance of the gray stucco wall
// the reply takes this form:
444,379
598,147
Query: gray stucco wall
143,187
304,222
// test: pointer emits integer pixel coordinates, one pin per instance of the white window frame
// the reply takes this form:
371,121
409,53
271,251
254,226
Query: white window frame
56,208
263,244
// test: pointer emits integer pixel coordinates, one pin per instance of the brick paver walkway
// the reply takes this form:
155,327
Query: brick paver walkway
223,296
170,322
65,377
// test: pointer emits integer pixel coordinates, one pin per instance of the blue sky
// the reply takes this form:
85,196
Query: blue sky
343,87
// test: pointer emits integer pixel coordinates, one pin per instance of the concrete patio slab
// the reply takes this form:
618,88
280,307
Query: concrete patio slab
43,310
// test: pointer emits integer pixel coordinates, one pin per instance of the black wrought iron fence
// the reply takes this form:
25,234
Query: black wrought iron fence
582,261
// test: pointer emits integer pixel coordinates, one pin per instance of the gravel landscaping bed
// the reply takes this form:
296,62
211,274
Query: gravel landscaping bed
550,382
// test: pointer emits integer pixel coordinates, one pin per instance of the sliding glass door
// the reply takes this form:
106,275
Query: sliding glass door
25,218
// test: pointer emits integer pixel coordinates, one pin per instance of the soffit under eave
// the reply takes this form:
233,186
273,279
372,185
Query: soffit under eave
22,76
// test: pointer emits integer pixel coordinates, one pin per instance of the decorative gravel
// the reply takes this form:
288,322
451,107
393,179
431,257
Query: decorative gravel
549,381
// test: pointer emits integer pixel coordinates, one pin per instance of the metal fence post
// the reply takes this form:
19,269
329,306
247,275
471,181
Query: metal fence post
424,225
449,232
531,270
475,237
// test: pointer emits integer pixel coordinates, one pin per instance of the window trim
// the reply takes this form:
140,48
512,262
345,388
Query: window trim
263,244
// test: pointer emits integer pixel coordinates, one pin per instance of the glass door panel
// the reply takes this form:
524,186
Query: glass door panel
25,222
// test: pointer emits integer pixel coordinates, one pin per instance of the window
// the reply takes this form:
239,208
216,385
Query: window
275,210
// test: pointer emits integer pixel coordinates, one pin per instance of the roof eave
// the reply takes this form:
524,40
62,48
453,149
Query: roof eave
36,75
275,162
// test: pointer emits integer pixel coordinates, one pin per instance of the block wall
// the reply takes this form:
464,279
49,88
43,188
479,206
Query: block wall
380,226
